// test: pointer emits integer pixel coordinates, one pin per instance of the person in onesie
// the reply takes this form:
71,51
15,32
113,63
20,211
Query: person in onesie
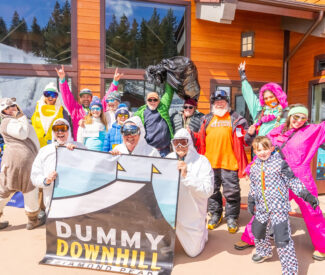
271,178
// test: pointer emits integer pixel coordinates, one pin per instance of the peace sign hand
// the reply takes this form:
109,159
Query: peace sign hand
60,72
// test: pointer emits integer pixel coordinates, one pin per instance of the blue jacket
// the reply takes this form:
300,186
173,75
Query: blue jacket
113,137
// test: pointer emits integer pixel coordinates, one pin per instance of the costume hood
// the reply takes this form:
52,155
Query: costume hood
70,139
277,91
192,154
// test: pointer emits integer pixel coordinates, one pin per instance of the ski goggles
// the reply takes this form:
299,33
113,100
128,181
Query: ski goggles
130,130
123,116
50,94
110,100
60,128
95,109
300,118
180,142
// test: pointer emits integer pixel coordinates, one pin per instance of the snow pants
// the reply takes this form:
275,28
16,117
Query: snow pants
231,191
314,220
279,221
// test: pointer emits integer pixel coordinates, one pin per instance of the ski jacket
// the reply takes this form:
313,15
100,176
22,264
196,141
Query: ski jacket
271,191
113,137
163,108
240,139
194,191
300,150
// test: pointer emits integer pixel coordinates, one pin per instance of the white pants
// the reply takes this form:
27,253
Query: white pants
30,201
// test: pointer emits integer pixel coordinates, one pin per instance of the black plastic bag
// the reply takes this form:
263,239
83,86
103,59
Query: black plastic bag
179,72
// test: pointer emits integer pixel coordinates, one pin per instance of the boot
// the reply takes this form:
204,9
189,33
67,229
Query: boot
215,221
33,220
4,224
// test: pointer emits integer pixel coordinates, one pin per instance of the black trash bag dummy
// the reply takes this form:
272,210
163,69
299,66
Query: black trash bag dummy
179,72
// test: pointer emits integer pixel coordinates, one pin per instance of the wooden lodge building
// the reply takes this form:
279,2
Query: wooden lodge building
281,41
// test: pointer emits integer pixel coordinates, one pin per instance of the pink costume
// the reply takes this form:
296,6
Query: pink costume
299,152
75,109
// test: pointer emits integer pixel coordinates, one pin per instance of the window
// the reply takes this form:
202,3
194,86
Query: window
142,33
318,103
26,90
133,93
319,65
247,44
35,31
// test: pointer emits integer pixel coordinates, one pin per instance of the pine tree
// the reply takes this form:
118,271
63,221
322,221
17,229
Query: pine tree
18,32
133,44
110,34
3,30
121,42
167,30
154,41
143,50
36,37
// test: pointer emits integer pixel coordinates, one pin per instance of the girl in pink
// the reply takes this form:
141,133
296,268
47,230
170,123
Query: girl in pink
301,141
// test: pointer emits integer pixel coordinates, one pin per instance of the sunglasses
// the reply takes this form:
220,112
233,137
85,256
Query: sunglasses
182,143
60,128
110,100
13,105
130,130
188,107
50,94
301,118
122,116
152,100
95,109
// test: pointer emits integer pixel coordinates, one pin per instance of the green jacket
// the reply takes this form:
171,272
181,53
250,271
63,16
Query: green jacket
163,108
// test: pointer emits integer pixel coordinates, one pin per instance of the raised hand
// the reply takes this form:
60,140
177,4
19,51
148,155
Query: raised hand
117,75
242,66
61,72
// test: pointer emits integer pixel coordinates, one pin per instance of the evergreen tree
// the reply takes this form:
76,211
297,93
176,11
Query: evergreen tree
143,50
154,41
36,37
133,44
121,42
18,32
167,30
110,34
3,30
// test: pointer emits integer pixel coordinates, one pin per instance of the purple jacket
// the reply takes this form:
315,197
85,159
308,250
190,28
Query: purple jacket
74,108
300,150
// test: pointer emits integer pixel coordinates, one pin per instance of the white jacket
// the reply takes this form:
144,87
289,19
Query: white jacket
194,192
142,148
45,163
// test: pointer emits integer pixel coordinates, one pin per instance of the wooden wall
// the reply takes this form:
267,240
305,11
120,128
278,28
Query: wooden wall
88,35
215,49
301,67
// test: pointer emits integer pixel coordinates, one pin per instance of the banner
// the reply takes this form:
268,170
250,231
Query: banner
17,200
113,213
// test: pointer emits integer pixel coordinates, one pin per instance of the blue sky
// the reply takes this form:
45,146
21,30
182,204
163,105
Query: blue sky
27,9
139,10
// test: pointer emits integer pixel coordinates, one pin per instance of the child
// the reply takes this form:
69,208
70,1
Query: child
93,134
271,178
114,136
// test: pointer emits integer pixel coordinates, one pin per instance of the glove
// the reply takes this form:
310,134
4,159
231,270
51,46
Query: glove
242,74
312,200
285,169
251,205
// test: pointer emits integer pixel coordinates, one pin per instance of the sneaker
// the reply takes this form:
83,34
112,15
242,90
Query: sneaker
260,259
241,245
232,225
215,221
318,256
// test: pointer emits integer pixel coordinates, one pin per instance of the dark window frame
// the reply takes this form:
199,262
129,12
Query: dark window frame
251,52
136,74
48,70
317,59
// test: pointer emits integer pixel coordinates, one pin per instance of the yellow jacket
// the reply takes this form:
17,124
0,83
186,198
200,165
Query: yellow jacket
43,118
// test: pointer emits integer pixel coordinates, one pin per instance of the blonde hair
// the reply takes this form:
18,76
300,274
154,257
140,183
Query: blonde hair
264,141
89,119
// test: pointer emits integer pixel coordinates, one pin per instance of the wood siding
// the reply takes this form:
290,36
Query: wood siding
88,34
301,67
215,49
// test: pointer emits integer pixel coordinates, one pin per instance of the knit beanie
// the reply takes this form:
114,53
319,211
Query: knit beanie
96,101
51,87
115,95
191,101
122,109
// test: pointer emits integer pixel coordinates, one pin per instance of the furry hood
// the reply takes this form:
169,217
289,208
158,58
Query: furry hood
277,91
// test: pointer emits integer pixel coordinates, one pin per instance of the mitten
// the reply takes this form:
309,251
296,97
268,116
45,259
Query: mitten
312,200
